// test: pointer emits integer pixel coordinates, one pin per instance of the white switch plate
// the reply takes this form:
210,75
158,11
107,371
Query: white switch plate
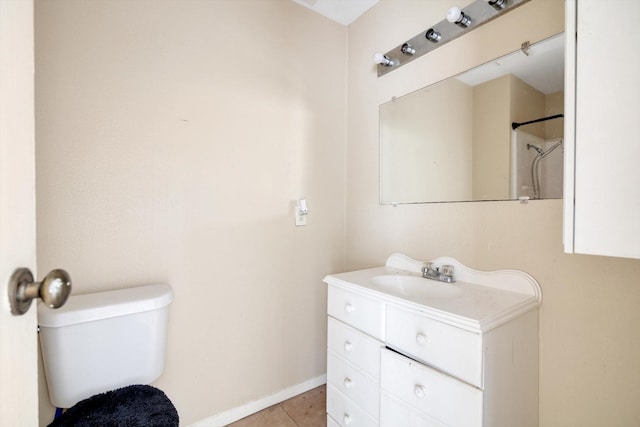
300,219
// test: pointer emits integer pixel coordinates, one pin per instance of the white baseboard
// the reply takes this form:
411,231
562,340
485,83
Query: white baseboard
232,415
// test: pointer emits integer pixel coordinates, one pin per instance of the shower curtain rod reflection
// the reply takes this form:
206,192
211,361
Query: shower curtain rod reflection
515,125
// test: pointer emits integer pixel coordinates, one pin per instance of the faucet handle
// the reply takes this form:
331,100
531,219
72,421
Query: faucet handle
447,270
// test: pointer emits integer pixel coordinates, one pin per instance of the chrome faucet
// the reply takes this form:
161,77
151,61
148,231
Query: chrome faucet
442,274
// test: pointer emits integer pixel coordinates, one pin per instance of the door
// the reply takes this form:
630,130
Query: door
18,338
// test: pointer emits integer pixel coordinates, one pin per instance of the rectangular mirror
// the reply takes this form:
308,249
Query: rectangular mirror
453,141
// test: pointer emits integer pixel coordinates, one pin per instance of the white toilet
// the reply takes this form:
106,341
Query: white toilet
102,341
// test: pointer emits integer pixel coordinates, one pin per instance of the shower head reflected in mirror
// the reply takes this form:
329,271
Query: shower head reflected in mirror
535,165
538,149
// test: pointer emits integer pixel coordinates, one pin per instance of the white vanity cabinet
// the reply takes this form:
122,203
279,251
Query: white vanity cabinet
401,352
602,148
355,330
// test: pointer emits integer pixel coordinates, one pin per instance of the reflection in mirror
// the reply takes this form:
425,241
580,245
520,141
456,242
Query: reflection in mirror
453,141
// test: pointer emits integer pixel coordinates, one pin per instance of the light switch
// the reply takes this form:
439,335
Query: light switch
301,212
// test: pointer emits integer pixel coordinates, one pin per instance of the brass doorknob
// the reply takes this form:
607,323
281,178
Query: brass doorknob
53,290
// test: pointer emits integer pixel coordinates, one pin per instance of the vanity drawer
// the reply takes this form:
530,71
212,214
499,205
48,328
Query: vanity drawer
359,311
331,422
345,412
431,392
353,383
356,347
394,413
446,347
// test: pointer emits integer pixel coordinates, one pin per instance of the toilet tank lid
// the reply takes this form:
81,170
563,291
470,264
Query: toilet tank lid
103,305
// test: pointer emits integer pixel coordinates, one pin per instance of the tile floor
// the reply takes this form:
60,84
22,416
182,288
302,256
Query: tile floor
304,410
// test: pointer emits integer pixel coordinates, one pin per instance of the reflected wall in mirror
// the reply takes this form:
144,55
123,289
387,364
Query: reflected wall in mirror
453,141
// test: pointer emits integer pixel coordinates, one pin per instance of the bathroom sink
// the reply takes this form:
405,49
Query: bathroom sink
415,286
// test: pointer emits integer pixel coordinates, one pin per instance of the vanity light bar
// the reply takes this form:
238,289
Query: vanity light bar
477,13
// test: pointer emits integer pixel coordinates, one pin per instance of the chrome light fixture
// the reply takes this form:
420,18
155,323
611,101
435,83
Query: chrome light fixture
407,49
474,15
457,16
433,35
497,4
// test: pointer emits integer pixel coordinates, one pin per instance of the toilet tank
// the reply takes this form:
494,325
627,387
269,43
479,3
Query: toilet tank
102,341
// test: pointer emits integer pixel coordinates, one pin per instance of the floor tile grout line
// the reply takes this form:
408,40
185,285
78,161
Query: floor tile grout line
288,415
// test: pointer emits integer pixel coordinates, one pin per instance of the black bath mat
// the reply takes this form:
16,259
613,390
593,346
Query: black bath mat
132,406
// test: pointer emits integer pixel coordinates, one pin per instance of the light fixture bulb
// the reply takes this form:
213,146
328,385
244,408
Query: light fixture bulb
457,16
453,14
383,60
433,36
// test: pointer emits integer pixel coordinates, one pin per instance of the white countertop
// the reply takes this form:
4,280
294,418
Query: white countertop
486,299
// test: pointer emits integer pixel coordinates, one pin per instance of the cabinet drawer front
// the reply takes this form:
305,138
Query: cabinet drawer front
394,413
356,347
358,311
353,383
331,423
345,412
446,347
434,393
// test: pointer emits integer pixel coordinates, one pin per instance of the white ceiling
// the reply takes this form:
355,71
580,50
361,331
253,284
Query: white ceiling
543,68
342,11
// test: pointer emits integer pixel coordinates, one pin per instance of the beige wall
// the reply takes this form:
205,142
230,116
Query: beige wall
589,333
491,139
172,138
527,103
417,165
554,104
497,104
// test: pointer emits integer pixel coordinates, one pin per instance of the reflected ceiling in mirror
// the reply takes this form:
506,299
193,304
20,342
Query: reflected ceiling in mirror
453,141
